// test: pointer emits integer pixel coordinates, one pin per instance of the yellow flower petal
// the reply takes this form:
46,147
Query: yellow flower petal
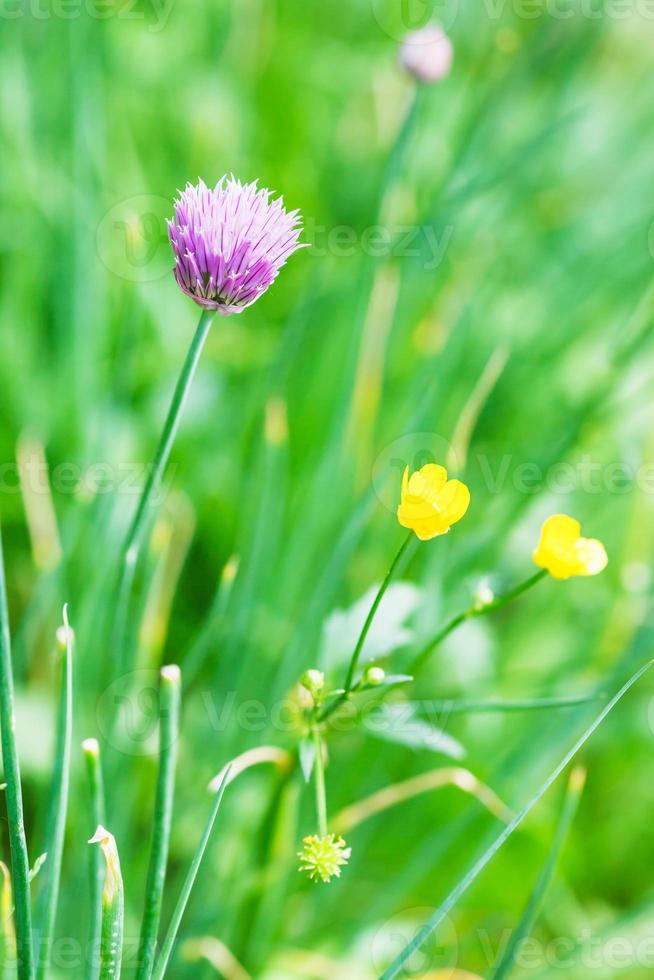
564,553
430,503
592,554
453,501
427,481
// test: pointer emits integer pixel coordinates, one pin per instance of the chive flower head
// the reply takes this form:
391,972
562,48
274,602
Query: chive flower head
427,54
230,242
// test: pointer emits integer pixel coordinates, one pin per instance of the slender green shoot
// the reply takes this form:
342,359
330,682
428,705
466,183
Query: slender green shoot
319,771
476,609
445,908
58,805
522,930
187,887
20,868
506,706
140,522
113,908
349,683
169,704
91,751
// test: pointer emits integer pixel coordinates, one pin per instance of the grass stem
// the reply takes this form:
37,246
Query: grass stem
91,751
58,806
170,695
187,887
18,846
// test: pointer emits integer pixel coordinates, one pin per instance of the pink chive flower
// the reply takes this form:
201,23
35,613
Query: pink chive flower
230,242
427,54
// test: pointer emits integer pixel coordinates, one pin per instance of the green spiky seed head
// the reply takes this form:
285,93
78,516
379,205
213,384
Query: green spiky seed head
323,857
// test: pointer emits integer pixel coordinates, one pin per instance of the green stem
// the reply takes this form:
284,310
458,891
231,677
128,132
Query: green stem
58,807
398,151
182,901
354,661
91,751
140,522
113,908
170,694
17,842
321,796
471,613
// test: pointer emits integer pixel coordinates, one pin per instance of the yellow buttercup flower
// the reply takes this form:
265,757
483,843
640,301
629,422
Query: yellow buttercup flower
564,553
431,503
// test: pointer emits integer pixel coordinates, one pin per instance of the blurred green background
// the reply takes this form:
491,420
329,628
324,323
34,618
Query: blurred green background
505,331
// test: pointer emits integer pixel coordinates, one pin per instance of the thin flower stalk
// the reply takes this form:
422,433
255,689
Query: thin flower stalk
319,774
58,806
476,609
113,908
141,520
17,843
170,696
349,685
171,934
91,751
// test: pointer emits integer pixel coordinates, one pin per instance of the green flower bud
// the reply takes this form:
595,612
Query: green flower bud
374,676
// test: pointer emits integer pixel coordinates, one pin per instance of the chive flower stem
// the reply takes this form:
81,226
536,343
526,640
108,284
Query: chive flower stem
473,612
140,521
91,751
173,928
169,706
58,807
349,684
14,797
113,908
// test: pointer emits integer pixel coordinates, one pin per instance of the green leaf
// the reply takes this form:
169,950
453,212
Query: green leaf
307,753
397,722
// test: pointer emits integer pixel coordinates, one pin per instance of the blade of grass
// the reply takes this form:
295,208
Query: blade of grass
187,887
113,908
91,751
570,804
170,694
465,706
58,805
20,868
449,903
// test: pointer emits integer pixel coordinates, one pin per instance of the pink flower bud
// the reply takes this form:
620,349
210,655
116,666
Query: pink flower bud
427,54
